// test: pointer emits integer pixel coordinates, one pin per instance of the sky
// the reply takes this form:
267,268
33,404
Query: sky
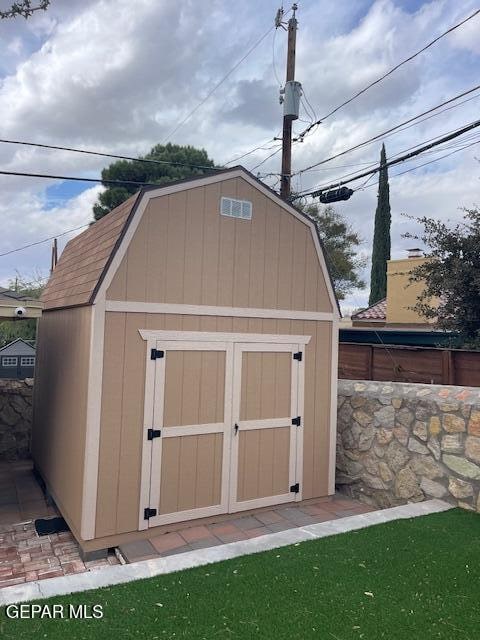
119,76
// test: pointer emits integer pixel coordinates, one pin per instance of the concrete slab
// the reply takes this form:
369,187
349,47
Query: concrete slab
138,550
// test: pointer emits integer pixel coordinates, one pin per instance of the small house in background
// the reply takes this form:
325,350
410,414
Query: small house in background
17,359
395,311
187,362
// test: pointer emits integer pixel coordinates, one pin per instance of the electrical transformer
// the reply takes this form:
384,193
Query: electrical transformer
291,99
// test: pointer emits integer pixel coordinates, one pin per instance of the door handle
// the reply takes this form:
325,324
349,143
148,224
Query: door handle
236,428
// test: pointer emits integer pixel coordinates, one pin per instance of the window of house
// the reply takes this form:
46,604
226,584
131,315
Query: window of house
27,361
9,361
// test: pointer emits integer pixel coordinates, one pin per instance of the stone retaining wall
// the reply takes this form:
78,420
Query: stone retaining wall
15,418
402,442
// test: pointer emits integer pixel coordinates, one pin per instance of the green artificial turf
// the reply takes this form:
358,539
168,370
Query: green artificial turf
412,579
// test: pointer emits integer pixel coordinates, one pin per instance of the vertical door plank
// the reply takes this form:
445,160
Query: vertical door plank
187,472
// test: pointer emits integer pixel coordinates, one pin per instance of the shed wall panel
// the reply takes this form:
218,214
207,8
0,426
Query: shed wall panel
191,472
185,252
60,405
123,418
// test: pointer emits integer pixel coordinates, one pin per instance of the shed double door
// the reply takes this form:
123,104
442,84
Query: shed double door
226,432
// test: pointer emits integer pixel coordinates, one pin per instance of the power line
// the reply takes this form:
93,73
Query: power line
248,153
385,134
309,104
108,155
34,244
268,158
396,155
433,115
212,91
412,154
392,70
25,174
424,164
59,235
401,125
274,66
208,168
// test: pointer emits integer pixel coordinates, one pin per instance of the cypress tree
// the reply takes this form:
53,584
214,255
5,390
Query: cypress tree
381,236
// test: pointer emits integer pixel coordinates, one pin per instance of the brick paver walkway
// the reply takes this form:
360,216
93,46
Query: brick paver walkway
242,527
25,556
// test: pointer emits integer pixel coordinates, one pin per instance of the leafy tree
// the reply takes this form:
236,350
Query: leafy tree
451,276
381,236
341,243
180,162
24,328
24,9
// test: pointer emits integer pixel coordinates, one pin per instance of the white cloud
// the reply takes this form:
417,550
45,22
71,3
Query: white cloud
119,75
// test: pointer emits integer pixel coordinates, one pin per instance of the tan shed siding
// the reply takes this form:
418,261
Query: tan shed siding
191,472
194,388
122,410
266,385
263,460
185,252
60,405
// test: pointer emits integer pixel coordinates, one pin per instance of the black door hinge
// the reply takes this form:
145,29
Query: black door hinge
296,421
154,354
298,356
153,433
295,488
149,513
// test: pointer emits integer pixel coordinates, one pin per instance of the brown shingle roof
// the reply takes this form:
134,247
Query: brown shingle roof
84,259
377,311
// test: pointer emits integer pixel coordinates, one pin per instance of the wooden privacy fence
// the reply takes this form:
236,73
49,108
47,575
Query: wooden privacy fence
409,364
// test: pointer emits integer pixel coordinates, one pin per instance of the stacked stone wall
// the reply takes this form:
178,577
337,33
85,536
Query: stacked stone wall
15,419
400,442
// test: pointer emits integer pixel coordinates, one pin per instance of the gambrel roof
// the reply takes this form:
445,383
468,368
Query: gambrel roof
86,259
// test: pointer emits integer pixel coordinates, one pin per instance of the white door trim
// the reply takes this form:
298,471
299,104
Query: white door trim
147,445
218,336
93,422
269,423
333,408
157,399
206,310
296,444
192,430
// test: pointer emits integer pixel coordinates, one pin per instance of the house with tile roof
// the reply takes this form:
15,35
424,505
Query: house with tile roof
396,310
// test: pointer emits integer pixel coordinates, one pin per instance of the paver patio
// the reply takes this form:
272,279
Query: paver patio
242,527
26,557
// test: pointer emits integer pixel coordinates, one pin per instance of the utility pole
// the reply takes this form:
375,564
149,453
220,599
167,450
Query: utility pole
288,117
54,260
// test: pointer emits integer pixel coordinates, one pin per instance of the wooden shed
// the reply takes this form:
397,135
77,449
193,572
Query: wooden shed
186,362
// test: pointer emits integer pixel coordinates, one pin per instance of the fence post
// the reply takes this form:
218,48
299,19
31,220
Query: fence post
370,363
448,368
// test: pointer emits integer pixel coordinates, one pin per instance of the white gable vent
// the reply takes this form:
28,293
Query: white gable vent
236,208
